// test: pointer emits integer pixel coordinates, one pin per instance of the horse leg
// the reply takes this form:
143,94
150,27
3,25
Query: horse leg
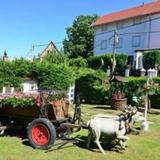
98,134
89,139
123,141
122,144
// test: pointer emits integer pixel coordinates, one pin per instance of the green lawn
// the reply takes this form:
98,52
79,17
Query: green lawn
144,146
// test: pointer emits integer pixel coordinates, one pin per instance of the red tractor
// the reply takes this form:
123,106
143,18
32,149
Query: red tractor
46,121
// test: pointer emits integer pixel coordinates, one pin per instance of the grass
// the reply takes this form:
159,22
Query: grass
144,146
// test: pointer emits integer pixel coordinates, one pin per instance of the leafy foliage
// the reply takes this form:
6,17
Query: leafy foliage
14,102
8,76
105,61
151,59
53,77
91,86
78,62
121,61
49,75
136,86
55,58
80,37
20,67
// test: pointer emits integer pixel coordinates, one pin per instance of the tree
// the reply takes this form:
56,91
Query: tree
80,37
55,57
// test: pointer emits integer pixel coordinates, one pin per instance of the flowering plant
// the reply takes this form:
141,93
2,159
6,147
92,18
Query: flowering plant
27,99
17,100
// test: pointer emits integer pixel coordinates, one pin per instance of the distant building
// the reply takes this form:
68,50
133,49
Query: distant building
50,48
138,28
5,57
29,85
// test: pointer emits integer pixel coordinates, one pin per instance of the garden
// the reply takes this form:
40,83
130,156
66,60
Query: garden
143,146
94,87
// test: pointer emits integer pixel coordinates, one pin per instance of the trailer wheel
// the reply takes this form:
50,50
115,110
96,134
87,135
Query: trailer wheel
41,133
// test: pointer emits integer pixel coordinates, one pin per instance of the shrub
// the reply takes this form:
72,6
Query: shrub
95,62
105,61
8,76
55,57
54,77
151,59
78,62
91,87
135,87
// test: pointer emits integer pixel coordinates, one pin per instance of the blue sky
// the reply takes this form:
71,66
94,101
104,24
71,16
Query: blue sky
24,23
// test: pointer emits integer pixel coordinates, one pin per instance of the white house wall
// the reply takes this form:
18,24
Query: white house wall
29,86
129,30
155,27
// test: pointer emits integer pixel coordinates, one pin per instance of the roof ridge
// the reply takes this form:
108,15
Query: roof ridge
148,8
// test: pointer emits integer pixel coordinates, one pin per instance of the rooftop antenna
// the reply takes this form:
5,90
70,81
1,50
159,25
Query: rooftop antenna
30,54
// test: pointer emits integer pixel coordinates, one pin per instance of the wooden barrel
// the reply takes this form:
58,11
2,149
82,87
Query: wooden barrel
119,104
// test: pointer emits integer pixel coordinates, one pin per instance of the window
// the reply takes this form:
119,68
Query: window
120,25
130,60
104,28
120,43
103,44
136,40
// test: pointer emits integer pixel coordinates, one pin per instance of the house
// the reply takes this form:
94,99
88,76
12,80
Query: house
137,28
50,48
29,85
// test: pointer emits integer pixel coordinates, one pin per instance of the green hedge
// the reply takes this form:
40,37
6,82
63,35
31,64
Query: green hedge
105,61
135,87
78,62
151,59
49,75
53,76
91,86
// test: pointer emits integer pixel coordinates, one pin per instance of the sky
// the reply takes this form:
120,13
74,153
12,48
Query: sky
24,23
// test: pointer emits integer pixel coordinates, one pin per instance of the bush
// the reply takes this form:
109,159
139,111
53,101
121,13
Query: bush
95,62
151,59
55,57
105,61
78,62
54,77
91,87
8,75
135,87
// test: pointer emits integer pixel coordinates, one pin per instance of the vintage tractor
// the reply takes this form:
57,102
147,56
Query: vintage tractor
47,120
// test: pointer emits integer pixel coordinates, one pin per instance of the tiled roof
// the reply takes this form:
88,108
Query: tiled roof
144,9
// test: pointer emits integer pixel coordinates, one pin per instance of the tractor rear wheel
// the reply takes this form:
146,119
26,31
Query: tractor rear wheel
41,133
